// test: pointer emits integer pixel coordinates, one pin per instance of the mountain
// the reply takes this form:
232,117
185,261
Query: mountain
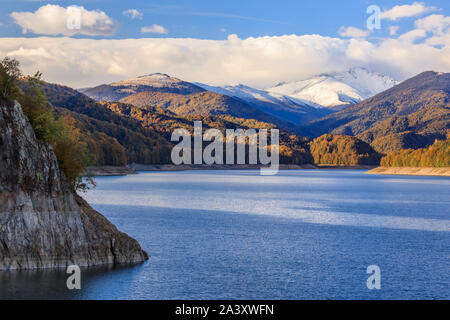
338,89
205,104
109,135
156,82
163,91
184,98
288,109
293,149
412,114
120,133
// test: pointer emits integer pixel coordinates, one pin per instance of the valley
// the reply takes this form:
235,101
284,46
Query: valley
367,107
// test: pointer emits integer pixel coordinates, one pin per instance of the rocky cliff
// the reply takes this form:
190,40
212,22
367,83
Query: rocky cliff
43,223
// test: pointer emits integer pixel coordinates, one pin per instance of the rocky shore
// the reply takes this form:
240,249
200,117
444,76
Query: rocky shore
43,222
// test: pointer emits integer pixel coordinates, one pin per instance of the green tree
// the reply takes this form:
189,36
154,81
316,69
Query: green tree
72,154
9,75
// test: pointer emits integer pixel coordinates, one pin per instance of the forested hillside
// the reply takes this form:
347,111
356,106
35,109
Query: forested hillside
342,150
436,155
204,104
141,145
120,133
293,149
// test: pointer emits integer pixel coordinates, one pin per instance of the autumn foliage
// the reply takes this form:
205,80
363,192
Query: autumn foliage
72,153
342,150
436,155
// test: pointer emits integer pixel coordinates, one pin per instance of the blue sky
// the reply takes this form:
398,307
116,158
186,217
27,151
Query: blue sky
209,19
254,42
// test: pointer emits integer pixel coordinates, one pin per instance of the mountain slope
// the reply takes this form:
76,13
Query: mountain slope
156,82
145,90
437,155
338,89
342,150
285,108
144,131
181,97
410,115
142,145
293,149
205,104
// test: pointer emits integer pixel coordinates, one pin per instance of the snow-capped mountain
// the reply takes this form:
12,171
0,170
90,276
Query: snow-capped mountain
296,102
248,93
155,82
291,109
337,89
308,99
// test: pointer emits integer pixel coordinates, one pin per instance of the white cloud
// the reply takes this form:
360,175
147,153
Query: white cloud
439,41
393,30
352,32
56,20
406,11
413,35
223,30
132,14
30,53
155,28
436,23
260,62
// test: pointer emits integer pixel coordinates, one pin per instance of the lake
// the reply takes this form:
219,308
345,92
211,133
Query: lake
302,234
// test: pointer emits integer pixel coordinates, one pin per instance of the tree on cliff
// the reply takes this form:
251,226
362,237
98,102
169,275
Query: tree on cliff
9,74
72,154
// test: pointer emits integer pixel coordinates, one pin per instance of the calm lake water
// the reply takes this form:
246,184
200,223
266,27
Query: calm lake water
304,234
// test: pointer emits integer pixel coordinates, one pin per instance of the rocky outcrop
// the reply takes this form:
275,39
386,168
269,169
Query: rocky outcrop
43,223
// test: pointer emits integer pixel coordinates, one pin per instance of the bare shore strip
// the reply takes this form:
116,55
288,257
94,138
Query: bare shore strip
412,171
134,168
109,171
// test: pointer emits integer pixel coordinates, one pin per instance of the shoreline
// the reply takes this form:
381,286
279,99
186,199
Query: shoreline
99,171
187,167
345,167
412,171
106,171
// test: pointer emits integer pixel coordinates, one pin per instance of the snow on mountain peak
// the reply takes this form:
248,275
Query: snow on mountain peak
330,90
153,80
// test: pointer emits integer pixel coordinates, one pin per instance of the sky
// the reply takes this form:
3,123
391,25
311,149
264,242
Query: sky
259,43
